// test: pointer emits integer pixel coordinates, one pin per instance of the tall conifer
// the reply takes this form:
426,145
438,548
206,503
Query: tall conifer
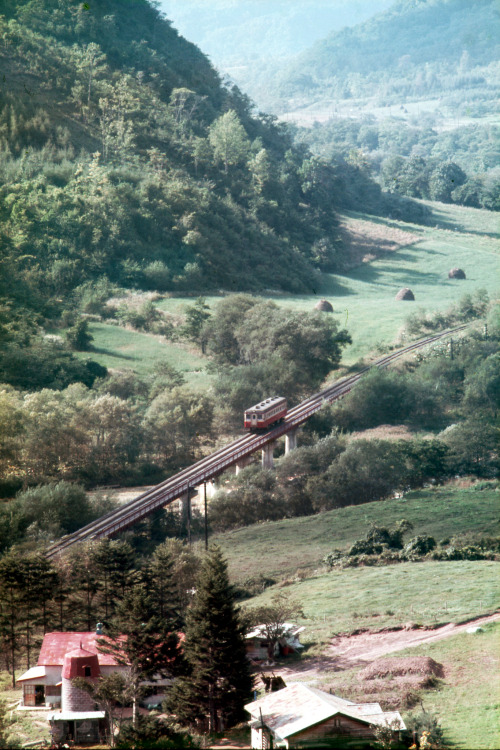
143,641
219,682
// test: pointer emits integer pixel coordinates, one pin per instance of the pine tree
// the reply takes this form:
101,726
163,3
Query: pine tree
218,682
143,641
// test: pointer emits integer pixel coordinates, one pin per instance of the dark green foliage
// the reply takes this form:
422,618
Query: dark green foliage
45,512
420,545
379,538
196,320
144,640
218,682
257,497
473,446
386,397
79,336
262,350
27,585
151,733
44,364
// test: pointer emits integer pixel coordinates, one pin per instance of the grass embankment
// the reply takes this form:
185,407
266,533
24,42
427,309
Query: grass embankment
426,593
374,597
278,549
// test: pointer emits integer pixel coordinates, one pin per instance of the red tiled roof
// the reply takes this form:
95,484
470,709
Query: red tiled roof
55,646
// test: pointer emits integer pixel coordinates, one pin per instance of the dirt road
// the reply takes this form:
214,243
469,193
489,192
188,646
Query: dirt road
345,652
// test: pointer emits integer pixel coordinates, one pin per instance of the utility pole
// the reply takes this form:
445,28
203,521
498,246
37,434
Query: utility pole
206,514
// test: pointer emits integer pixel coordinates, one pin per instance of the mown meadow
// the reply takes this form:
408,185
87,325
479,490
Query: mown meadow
363,298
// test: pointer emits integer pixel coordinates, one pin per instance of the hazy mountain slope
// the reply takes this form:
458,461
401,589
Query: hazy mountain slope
238,32
411,33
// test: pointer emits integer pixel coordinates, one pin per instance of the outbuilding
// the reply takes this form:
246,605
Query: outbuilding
297,714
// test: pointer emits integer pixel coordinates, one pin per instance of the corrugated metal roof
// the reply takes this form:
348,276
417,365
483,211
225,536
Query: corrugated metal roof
298,706
55,646
32,674
75,715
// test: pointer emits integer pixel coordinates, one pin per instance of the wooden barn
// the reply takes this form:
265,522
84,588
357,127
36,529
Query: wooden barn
300,713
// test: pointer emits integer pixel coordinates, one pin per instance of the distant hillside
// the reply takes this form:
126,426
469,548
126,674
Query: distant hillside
410,40
243,38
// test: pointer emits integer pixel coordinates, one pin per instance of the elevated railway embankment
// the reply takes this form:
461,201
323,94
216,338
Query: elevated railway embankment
182,484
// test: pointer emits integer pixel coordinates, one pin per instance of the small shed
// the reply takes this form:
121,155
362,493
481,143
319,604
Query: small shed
405,294
456,273
257,644
299,714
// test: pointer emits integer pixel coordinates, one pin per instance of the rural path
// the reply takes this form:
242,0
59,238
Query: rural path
346,651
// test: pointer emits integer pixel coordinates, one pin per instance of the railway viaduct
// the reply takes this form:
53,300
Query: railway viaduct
182,484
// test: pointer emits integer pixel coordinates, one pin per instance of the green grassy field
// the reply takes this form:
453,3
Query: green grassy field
427,593
278,549
119,348
363,299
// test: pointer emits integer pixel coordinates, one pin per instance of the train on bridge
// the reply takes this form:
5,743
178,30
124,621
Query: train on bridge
265,414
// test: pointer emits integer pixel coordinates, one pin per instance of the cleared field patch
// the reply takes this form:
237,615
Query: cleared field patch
119,348
367,240
279,548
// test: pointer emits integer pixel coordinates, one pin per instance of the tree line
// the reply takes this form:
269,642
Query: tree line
450,390
125,426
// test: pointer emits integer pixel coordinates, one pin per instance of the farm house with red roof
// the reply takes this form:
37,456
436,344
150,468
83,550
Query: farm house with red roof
42,685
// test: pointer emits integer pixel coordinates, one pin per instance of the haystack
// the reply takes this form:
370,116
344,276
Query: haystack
456,273
324,306
405,293
422,666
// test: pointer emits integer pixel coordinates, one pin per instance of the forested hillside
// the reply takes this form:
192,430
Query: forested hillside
420,43
124,157
248,39
412,94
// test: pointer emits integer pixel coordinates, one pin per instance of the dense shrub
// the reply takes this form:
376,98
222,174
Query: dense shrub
420,545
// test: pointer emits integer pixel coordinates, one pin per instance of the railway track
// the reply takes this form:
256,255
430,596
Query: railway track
216,463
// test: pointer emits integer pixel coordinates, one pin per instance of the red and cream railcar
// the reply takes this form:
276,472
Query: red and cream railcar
265,414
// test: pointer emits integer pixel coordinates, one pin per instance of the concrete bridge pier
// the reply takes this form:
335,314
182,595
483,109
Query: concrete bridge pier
290,441
186,512
267,456
242,463
211,488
